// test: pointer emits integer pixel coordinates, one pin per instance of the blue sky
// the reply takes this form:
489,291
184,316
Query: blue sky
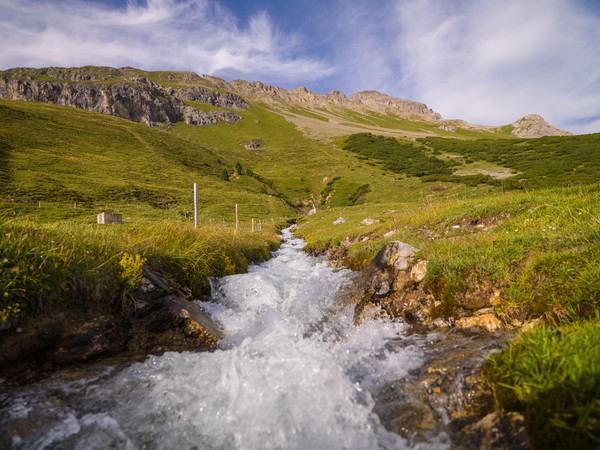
485,61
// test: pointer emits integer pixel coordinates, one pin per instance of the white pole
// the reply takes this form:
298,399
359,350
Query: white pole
237,224
195,205
253,224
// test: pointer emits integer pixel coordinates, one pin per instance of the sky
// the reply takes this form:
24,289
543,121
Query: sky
489,62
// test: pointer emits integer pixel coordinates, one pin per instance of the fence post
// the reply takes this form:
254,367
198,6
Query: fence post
195,205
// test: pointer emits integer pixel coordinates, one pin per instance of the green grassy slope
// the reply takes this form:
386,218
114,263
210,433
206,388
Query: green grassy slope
301,168
515,163
58,155
539,249
537,246
544,162
295,164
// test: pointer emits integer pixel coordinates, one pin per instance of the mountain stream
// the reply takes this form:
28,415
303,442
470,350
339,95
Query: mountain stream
294,372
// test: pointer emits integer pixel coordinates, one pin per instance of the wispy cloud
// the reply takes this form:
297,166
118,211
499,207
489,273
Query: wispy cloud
198,35
484,61
492,62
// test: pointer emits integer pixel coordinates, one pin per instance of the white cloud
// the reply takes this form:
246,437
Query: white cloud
198,35
485,61
493,62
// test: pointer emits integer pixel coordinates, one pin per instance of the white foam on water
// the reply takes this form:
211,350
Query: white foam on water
289,374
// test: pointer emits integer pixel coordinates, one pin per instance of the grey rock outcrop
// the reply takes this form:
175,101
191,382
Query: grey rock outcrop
138,101
361,101
368,222
192,116
534,126
382,103
395,255
134,98
253,145
199,94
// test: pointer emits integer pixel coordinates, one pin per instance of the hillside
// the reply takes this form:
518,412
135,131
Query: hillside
87,162
276,136
503,230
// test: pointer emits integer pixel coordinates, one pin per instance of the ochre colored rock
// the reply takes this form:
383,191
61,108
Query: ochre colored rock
418,271
487,321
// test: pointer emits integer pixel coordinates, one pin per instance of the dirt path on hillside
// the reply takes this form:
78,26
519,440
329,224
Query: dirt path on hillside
318,129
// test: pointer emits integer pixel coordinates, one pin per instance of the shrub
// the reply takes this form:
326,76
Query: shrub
131,272
238,168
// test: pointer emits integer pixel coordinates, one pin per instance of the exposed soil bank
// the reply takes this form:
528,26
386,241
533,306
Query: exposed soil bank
162,318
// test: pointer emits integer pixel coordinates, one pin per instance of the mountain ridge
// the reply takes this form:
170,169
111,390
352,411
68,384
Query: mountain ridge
161,96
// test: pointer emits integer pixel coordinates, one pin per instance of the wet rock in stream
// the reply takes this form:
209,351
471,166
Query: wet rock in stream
448,394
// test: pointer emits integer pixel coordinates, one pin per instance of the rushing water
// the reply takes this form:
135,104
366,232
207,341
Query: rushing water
292,373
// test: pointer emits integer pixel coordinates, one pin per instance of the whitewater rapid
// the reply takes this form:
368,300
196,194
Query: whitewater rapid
294,372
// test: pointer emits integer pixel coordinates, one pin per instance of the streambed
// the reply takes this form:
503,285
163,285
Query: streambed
294,372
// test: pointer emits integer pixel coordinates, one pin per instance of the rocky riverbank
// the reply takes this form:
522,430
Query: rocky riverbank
449,388
395,285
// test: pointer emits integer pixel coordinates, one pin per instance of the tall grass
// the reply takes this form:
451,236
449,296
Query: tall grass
552,376
540,249
45,264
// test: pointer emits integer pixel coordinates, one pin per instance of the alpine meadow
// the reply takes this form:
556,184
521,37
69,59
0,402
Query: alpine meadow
502,227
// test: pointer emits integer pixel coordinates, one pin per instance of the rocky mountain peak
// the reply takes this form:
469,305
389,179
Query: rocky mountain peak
142,96
300,91
534,126
383,103
337,97
366,100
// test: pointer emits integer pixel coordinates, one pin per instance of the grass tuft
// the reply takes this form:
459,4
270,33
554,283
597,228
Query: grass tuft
44,265
552,376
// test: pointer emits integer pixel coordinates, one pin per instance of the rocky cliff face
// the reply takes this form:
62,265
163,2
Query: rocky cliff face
133,98
376,101
534,126
199,94
130,94
361,101
531,126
